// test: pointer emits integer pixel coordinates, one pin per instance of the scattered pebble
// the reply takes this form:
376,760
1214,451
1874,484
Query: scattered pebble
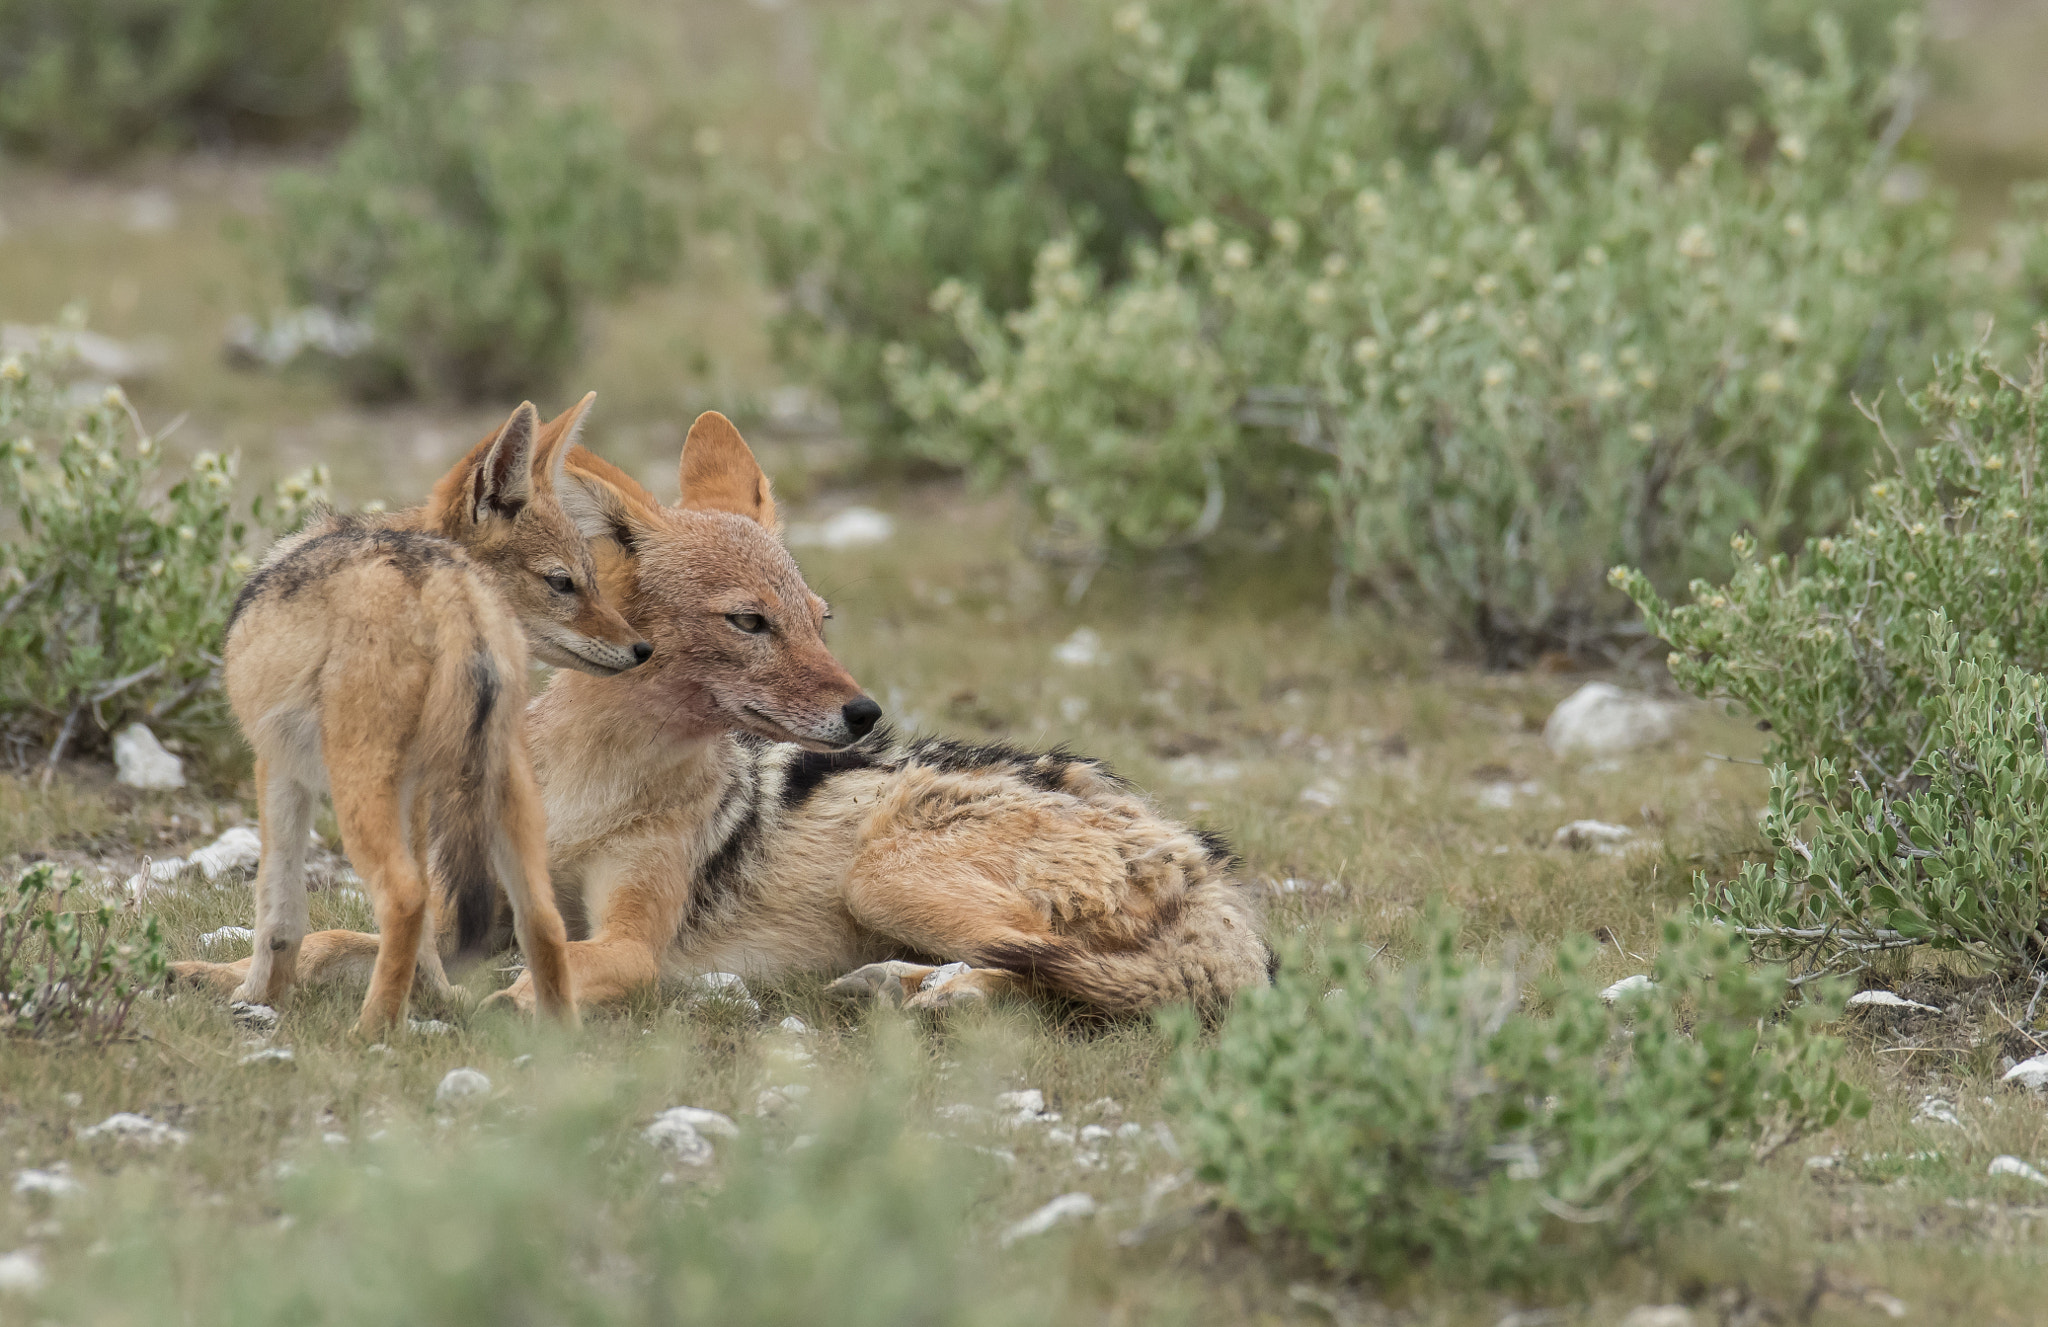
1067,1207
1935,1110
1627,986
428,1027
21,1272
1592,836
2031,1074
1104,1106
702,1120
1079,650
728,986
795,1026
137,1130
2011,1165
248,1015
1889,1001
679,1138
227,935
140,761
274,1055
1324,794
239,849
461,1085
1600,719
55,1182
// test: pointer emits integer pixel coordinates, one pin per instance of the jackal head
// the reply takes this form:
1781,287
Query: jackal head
739,641
501,503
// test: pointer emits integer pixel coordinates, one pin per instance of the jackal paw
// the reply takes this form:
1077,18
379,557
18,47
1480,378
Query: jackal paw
518,998
947,987
891,983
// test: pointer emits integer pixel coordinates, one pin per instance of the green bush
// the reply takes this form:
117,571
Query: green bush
113,596
466,225
1897,665
1425,1116
1504,372
69,974
85,80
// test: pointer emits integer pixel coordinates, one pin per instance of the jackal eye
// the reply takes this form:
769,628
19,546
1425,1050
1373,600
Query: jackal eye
561,584
751,623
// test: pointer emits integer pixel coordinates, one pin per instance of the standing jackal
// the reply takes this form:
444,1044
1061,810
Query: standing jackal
384,658
731,806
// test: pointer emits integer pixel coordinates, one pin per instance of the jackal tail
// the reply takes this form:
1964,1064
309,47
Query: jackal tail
1203,955
466,735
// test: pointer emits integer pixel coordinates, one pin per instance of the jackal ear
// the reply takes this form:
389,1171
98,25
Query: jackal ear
557,437
719,472
504,481
602,502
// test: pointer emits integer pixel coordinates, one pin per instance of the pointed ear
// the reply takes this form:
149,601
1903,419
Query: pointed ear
719,473
603,502
557,437
503,483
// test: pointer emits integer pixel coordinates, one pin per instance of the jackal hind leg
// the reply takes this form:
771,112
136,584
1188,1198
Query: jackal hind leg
520,859
285,814
371,809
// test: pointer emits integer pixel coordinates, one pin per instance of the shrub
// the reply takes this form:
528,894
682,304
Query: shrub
1896,663
466,225
85,80
112,597
1425,1116
69,974
1505,372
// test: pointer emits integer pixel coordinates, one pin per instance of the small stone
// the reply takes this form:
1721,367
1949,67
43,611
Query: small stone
1935,1110
239,849
1627,986
270,1055
729,986
679,1138
1029,1100
2031,1074
1888,1000
135,1130
21,1272
1600,719
2018,1169
702,1120
461,1085
259,1016
795,1026
1067,1207
140,761
1658,1315
1106,1106
429,1027
1591,836
46,1185
1079,650
227,935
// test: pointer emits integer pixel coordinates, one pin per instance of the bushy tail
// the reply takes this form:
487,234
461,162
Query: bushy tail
1207,953
466,736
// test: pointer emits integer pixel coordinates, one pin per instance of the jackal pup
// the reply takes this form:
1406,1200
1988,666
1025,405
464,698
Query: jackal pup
732,807
384,658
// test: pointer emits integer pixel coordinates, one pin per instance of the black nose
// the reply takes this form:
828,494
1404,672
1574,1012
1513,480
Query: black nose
641,651
860,714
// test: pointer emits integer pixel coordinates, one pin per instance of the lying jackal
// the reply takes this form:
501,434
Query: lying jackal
384,657
727,807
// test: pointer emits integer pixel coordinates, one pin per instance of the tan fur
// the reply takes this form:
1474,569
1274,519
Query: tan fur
385,658
668,819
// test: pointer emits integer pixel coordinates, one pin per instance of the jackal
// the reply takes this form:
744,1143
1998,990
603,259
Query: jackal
732,806
384,657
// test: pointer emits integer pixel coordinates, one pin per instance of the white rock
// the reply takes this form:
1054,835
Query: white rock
461,1085
101,356
1596,835
271,1055
1324,794
1066,1207
2010,1165
253,1015
1627,986
227,935
1095,1133
1658,1315
703,1121
427,1027
795,1026
727,986
2031,1074
140,761
1935,1110
237,850
1030,1099
1079,650
854,527
138,1130
1109,1106
46,1184
680,1139
21,1272
1600,719
1889,1001
155,873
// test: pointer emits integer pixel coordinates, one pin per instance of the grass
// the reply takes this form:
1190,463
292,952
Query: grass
1228,696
